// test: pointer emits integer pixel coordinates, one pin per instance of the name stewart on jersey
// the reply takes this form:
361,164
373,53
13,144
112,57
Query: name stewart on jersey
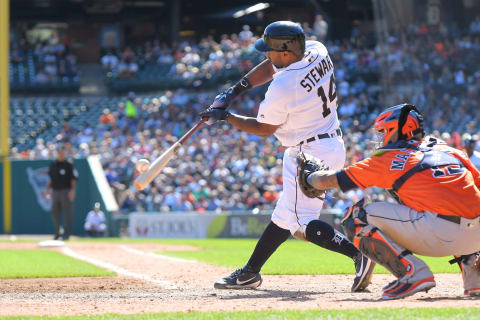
315,74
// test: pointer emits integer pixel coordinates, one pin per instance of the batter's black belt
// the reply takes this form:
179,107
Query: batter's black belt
454,219
336,133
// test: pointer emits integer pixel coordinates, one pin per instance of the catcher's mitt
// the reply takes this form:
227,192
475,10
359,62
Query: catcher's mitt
306,166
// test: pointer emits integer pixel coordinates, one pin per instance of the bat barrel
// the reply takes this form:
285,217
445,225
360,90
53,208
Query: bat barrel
156,167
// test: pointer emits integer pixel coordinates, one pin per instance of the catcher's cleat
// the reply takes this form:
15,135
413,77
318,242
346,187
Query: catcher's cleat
470,274
240,279
390,285
364,271
474,292
403,288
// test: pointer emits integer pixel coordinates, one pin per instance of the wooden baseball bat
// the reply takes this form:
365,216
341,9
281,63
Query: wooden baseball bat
156,166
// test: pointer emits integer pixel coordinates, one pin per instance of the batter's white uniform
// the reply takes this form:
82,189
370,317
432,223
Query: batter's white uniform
302,99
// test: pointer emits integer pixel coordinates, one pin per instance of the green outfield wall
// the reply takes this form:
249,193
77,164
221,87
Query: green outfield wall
30,207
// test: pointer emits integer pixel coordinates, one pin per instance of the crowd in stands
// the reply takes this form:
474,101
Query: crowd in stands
41,63
433,67
186,64
188,60
223,169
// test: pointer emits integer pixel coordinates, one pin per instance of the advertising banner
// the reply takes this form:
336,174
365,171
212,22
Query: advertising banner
190,225
202,225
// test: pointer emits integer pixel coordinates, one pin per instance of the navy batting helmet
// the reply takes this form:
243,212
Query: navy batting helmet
282,36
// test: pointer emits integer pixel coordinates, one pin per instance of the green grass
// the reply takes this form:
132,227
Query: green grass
45,264
370,314
293,257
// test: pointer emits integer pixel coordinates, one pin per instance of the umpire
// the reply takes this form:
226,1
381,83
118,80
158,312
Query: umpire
63,178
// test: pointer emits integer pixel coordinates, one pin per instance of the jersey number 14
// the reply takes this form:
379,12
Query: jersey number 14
332,94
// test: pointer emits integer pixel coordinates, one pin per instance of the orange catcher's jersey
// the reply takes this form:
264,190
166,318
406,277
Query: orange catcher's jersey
451,189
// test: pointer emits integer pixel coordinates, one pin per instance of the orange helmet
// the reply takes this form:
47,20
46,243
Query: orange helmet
404,119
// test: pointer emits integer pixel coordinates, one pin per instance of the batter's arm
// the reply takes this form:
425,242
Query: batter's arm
261,73
251,125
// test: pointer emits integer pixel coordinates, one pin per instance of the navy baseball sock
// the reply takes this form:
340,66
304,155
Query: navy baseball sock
323,235
273,236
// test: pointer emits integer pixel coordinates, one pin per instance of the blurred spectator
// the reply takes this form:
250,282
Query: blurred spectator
132,68
130,107
122,69
475,26
470,145
95,222
16,55
109,61
51,70
128,53
127,68
245,36
107,117
41,77
320,28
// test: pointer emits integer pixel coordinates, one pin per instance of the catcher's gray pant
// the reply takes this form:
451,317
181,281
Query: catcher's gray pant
61,203
423,232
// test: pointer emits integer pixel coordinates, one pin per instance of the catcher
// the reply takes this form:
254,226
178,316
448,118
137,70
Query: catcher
438,210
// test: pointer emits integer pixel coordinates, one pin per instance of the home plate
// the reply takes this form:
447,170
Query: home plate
51,244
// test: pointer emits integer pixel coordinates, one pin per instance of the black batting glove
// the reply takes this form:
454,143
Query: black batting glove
213,115
225,99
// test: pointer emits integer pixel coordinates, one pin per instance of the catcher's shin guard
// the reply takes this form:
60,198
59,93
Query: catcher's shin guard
412,273
376,245
355,218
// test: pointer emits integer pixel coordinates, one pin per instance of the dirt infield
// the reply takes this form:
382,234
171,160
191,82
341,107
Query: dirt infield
149,283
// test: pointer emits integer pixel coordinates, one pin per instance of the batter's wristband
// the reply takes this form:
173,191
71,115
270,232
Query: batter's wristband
241,86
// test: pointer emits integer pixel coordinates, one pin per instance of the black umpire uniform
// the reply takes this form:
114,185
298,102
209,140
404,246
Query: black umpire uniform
63,177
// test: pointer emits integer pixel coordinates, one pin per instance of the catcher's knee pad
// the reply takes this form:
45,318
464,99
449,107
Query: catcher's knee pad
378,247
355,218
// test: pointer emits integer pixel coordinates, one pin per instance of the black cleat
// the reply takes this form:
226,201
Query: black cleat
240,279
363,272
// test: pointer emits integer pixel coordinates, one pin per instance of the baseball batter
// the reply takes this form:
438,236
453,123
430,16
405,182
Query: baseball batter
439,204
300,109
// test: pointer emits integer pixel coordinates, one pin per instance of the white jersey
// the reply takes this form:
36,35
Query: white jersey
302,98
475,159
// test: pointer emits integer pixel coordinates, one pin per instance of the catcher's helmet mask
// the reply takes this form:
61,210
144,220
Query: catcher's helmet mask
404,119
282,36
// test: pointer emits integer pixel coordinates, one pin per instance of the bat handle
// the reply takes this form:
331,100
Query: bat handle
190,132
